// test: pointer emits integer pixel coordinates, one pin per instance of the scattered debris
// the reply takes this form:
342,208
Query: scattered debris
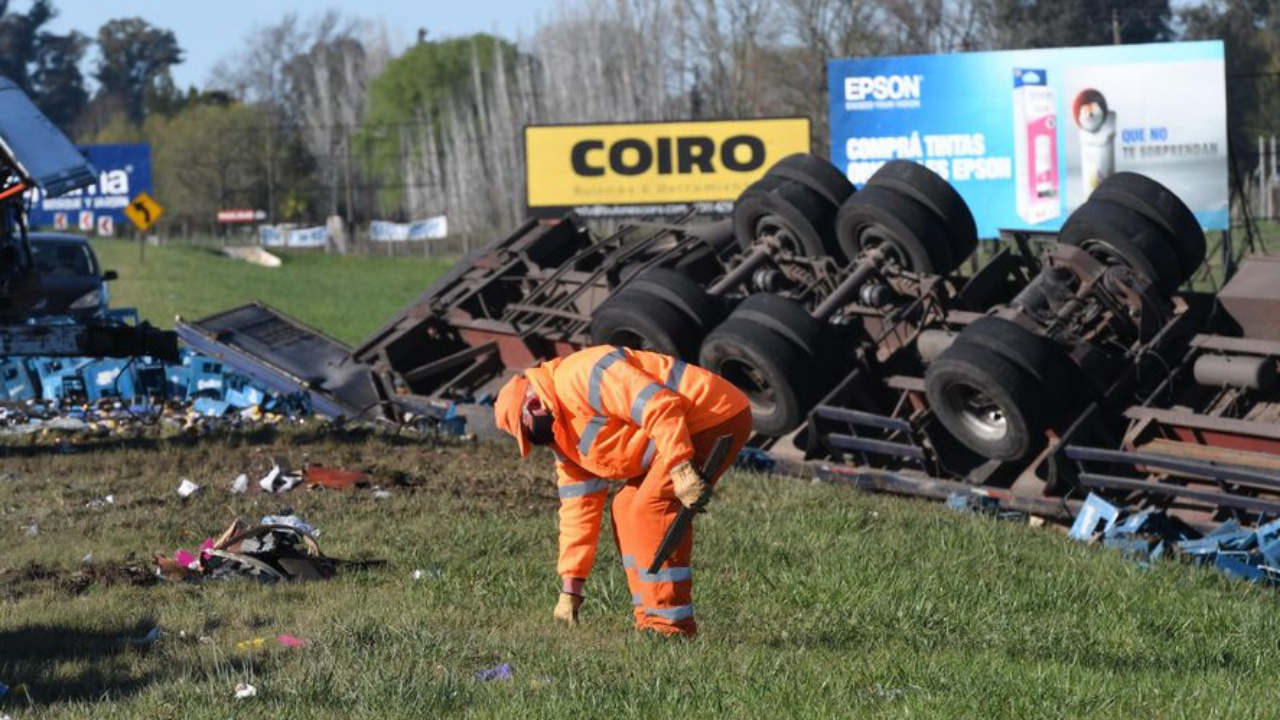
32,530
501,672
292,521
333,478
240,485
147,640
101,502
290,641
87,559
380,494
245,690
254,644
1253,555
982,503
279,480
266,553
187,488
755,460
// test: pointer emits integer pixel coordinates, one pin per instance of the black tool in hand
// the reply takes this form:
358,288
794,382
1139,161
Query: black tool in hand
680,526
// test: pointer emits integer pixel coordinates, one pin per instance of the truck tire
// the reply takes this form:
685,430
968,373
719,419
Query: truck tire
929,189
1118,235
642,321
802,219
816,174
988,403
1038,356
683,293
785,317
1156,203
879,217
776,374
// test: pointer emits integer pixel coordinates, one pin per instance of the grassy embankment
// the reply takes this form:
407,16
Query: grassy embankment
815,601
346,296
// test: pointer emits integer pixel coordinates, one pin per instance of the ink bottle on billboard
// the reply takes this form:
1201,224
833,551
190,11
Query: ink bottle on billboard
1097,127
1035,147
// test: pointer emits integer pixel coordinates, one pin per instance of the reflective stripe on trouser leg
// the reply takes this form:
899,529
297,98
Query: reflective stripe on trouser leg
621,507
667,593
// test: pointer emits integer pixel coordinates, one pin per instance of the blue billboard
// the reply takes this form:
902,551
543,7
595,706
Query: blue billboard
123,171
1026,135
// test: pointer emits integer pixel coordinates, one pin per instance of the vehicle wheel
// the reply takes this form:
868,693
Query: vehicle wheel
913,236
681,292
988,403
785,317
1038,356
776,374
816,174
801,219
929,189
1156,203
641,321
1118,236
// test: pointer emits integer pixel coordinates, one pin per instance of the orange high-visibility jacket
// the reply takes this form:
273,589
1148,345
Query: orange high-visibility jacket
618,414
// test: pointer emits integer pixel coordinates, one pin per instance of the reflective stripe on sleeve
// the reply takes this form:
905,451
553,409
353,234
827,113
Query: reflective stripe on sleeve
579,489
674,614
642,399
675,375
671,574
597,378
649,450
594,425
628,561
636,600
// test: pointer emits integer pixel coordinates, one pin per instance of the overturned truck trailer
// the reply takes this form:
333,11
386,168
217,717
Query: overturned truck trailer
866,351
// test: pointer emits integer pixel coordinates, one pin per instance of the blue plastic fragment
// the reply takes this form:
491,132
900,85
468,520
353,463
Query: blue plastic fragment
1094,511
210,407
501,672
1233,563
755,459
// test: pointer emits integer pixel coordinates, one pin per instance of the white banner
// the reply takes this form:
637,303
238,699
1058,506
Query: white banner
433,228
275,236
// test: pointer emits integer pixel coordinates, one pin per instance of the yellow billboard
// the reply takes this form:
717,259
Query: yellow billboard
654,163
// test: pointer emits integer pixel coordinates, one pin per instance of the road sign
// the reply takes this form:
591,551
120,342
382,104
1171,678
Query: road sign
143,210
85,221
106,226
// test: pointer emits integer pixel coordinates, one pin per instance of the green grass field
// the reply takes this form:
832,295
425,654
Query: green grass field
814,601
346,296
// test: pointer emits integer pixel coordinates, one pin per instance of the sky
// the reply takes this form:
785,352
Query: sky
209,30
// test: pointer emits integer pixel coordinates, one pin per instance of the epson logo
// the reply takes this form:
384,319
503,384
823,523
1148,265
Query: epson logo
882,87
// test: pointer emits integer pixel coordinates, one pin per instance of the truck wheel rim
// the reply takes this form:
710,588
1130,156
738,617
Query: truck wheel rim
750,380
771,226
980,415
873,236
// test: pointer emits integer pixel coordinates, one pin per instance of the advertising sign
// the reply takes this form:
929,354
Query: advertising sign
1026,135
433,228
275,236
653,168
124,171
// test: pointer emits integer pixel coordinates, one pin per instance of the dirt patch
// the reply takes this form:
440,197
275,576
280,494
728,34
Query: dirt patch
35,577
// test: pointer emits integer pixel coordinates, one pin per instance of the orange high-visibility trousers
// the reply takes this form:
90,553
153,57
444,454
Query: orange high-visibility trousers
642,511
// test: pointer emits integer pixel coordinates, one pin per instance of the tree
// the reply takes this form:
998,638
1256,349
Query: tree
1251,32
134,64
1015,24
44,64
57,83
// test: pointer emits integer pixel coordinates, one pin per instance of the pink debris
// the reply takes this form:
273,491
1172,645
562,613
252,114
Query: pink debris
291,641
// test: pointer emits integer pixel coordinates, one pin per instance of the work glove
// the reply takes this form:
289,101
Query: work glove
691,489
567,608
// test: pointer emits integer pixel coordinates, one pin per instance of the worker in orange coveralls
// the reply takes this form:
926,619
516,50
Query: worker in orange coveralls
641,418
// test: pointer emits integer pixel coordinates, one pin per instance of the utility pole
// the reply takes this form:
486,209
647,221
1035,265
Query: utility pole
1115,26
